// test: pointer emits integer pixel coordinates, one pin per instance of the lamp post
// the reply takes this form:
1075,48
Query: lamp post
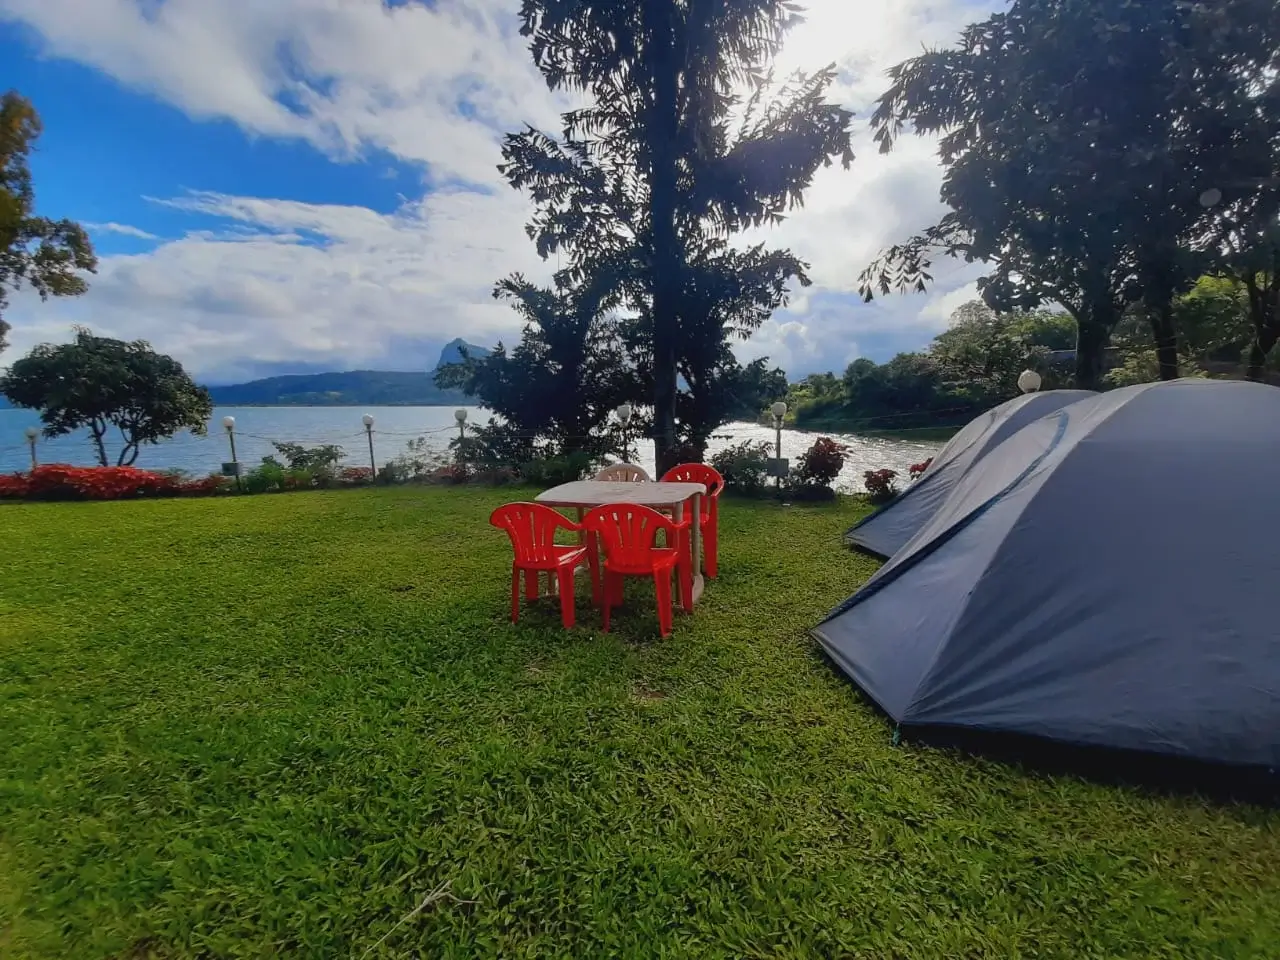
779,410
461,416
1029,381
32,433
624,416
367,420
229,424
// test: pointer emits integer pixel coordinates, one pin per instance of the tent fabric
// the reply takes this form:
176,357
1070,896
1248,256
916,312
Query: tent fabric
1103,577
884,532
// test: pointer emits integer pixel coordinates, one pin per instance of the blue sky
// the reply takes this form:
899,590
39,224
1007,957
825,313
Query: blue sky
311,184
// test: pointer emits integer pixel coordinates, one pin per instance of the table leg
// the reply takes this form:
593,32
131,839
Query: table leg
695,529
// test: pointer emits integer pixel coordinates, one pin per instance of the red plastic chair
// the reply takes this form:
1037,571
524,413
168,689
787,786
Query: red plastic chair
532,528
710,519
628,533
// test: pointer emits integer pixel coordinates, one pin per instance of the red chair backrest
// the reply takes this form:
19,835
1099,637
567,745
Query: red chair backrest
532,529
628,531
696,473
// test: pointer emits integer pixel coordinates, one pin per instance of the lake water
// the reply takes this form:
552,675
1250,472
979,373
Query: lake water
257,427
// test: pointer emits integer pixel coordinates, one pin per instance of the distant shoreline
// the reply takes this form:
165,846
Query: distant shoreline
325,406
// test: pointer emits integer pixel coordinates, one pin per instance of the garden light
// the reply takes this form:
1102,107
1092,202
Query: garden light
779,410
367,420
32,433
1029,381
233,467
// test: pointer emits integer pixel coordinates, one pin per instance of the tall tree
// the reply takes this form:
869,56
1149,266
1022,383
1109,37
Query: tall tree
655,165
96,383
45,254
1077,137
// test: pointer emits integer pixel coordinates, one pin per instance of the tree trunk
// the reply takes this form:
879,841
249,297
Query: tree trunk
100,447
663,126
1263,341
1092,336
1264,314
1166,338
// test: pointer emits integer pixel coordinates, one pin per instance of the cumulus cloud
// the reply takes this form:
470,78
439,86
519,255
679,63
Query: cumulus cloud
437,86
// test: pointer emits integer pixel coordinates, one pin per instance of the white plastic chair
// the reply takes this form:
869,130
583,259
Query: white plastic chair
624,472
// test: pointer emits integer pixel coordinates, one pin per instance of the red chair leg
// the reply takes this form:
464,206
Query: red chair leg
662,587
531,578
710,540
515,594
607,597
593,562
684,571
566,597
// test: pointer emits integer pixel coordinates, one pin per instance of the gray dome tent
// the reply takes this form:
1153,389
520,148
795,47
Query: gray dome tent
1107,576
885,531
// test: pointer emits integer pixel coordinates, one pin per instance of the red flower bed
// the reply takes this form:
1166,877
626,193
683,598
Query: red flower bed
57,481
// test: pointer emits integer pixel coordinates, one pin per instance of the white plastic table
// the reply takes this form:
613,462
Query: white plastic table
584,495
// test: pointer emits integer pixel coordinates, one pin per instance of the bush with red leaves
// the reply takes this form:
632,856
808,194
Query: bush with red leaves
880,484
917,469
821,463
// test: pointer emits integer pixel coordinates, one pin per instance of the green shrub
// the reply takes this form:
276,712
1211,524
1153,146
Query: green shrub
266,477
314,460
418,462
553,471
744,466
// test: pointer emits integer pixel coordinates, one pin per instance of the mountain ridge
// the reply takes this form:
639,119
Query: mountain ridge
382,388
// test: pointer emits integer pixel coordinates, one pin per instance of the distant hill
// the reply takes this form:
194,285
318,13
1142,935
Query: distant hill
350,388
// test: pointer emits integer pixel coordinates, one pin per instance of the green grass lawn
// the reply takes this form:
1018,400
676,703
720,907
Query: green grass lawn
271,726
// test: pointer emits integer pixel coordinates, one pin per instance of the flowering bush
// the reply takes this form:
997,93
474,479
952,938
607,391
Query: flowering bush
356,475
880,484
919,468
821,463
57,481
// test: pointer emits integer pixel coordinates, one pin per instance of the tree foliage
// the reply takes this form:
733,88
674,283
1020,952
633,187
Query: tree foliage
47,255
667,160
1078,137
96,383
553,393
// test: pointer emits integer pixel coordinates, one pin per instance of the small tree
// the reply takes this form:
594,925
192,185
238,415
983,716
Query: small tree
97,383
45,254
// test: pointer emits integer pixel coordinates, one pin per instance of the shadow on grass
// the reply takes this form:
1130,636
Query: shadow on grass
1039,758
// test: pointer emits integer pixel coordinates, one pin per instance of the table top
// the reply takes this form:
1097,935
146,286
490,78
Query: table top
595,493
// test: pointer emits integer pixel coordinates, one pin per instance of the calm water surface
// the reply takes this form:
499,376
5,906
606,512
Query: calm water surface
257,427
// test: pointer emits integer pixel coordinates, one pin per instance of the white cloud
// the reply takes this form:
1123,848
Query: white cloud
304,283
123,229
438,85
